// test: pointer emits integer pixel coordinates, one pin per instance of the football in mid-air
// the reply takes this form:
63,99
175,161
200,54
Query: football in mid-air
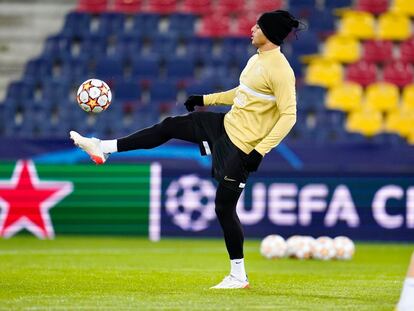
94,96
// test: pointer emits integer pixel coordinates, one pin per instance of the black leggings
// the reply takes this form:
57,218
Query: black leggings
182,127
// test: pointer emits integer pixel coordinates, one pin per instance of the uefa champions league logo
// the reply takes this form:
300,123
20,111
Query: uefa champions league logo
190,202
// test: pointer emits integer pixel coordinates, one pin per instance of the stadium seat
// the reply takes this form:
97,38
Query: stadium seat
161,6
324,72
243,26
407,98
362,72
260,6
398,73
126,90
92,6
382,96
127,46
358,24
215,26
342,48
301,8
366,122
164,44
394,26
38,69
322,22
230,7
163,91
377,51
306,44
76,24
338,4
145,67
373,6
127,6
345,97
179,67
182,24
110,23
200,47
109,68
400,122
407,50
77,68
310,98
200,7
202,86
19,91
145,24
56,45
403,7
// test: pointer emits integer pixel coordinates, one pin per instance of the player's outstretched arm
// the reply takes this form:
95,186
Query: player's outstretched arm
406,302
192,101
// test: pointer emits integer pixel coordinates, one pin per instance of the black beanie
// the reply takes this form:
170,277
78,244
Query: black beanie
276,25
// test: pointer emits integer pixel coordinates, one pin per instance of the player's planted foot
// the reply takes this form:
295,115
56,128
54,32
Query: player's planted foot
231,282
91,146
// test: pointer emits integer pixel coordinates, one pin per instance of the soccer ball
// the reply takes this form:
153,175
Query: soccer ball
94,96
190,202
344,247
303,247
292,245
323,248
273,246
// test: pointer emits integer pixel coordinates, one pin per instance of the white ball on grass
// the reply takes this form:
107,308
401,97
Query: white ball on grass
273,246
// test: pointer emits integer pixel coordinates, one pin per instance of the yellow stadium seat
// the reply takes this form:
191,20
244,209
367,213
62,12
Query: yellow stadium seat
366,122
324,72
408,97
358,24
404,7
342,49
400,122
382,96
346,97
394,26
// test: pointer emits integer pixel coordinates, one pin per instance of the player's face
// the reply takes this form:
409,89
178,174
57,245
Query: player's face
258,38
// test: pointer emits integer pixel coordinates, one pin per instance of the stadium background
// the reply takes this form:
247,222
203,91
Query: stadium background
346,168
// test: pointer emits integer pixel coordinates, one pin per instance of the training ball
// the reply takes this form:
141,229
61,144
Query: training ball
344,248
323,248
292,244
303,247
273,246
94,96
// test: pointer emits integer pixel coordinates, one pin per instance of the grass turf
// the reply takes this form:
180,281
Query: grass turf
88,273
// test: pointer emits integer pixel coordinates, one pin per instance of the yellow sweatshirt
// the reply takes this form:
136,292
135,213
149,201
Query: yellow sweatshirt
263,105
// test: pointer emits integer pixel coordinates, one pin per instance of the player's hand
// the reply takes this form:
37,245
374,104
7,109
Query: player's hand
253,160
192,101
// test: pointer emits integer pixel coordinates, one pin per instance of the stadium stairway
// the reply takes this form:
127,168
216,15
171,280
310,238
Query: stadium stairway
24,25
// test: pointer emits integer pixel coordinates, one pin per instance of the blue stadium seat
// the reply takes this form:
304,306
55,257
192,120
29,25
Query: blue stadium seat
56,45
182,24
311,98
126,91
338,4
110,23
76,68
145,67
164,45
91,46
38,69
20,91
109,68
179,67
307,43
301,8
145,24
163,91
76,24
321,22
200,48
202,86
296,65
127,46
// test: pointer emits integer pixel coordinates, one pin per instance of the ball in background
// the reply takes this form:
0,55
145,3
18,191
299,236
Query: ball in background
94,96
323,248
344,248
273,246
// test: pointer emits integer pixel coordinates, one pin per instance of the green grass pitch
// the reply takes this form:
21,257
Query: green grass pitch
88,273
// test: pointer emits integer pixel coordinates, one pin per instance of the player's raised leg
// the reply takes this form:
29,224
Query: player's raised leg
406,302
180,127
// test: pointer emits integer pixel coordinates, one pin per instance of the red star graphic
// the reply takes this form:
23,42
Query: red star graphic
25,201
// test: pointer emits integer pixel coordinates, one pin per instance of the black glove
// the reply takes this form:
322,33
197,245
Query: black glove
192,101
252,160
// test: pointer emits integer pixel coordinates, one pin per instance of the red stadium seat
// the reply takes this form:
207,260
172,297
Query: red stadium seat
407,50
362,72
92,6
127,6
260,6
229,7
377,51
161,6
215,26
372,6
244,25
398,73
201,7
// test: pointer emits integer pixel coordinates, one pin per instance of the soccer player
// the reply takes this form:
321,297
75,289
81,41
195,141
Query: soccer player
263,111
406,302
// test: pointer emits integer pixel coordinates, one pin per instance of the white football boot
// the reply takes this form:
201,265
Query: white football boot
231,282
91,146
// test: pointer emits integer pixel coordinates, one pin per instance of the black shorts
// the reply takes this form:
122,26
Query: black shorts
227,165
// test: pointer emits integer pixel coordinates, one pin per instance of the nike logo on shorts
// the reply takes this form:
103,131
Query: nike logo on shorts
228,179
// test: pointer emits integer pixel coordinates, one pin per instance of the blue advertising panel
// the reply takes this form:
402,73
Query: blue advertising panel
363,207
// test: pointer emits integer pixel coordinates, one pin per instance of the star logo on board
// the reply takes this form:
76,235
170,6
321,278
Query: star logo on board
25,201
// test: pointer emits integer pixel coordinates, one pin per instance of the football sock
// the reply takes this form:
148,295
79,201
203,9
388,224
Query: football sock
109,146
406,300
237,269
